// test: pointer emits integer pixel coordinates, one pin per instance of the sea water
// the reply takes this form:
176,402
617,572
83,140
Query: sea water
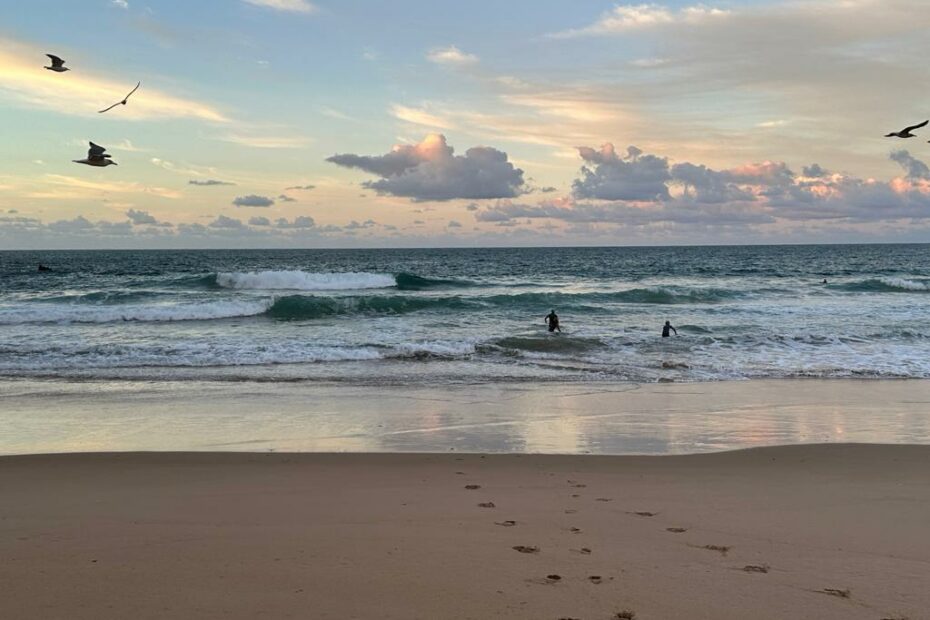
434,317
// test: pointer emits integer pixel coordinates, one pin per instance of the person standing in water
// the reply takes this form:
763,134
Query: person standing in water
666,328
553,320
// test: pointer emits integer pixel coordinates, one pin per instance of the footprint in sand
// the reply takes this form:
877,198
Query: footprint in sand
626,614
580,486
575,495
596,579
525,549
642,513
574,530
721,549
603,499
756,568
460,473
676,530
472,487
487,505
548,580
570,512
582,551
834,592
507,523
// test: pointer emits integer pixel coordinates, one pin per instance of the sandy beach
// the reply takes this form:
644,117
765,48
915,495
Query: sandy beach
817,531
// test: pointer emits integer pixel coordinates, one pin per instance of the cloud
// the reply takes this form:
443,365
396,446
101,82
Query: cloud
266,142
743,196
288,6
609,176
915,168
300,187
140,217
80,92
286,198
302,221
223,221
259,221
208,182
419,116
431,171
450,55
79,223
624,18
354,225
123,4
253,200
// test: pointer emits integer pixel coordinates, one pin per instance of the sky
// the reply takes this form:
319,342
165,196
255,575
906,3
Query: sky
415,123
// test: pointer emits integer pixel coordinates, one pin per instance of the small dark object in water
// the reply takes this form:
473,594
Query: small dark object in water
44,267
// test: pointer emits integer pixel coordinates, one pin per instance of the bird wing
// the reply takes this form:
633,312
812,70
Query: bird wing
132,91
906,129
96,151
110,108
56,61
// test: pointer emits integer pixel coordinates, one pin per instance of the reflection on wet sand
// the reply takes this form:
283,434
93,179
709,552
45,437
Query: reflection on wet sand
565,419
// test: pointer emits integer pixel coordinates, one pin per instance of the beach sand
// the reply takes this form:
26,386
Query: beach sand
818,531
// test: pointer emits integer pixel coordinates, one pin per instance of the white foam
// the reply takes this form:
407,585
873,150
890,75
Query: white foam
18,315
907,285
304,280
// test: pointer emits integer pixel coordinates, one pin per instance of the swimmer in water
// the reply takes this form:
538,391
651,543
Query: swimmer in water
666,328
553,320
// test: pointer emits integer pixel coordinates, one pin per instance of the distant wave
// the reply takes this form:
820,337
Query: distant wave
887,285
109,307
25,314
303,280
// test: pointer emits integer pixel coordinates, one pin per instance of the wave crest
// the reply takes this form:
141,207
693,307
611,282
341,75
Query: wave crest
304,280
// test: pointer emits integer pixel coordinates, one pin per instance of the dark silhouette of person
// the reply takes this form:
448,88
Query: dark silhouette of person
666,328
553,320
44,267
824,281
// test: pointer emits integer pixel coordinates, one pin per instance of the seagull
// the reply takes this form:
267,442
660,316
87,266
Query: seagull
906,132
96,157
123,102
58,65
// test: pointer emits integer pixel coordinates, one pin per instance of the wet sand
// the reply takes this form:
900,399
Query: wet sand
549,418
817,531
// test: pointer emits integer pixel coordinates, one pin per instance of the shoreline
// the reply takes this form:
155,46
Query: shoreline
828,531
523,418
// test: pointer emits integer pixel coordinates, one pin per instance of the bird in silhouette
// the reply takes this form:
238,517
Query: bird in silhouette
58,65
123,102
906,132
96,156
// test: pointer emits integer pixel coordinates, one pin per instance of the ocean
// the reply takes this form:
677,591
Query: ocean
460,316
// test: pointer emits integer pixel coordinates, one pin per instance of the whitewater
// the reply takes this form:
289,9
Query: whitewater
452,316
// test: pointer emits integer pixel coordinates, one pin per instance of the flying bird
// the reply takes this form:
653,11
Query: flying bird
906,132
96,156
123,102
58,65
